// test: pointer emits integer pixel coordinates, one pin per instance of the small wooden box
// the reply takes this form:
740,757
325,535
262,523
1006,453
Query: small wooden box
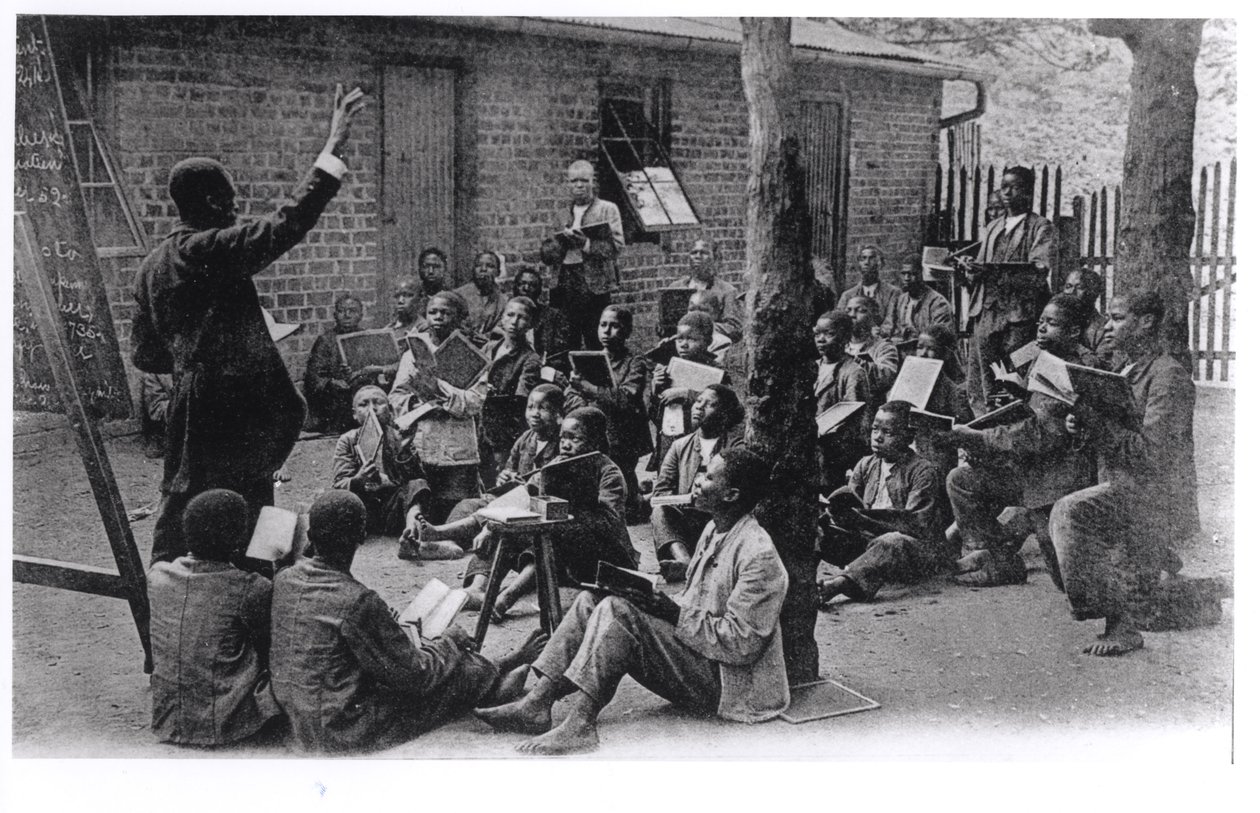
549,508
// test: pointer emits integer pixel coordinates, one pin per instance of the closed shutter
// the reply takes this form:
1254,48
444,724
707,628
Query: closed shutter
825,159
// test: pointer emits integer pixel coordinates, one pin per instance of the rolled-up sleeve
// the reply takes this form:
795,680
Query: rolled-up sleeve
740,634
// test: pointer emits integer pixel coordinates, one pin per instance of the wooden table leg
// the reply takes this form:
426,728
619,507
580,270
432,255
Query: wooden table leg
548,589
498,569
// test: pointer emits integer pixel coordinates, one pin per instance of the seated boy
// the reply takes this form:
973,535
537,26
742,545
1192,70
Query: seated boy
210,625
840,378
717,649
899,528
345,672
691,342
513,372
1029,464
328,383
878,357
392,483
717,415
725,333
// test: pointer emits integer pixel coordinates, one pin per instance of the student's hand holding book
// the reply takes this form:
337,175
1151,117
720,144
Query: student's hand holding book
657,605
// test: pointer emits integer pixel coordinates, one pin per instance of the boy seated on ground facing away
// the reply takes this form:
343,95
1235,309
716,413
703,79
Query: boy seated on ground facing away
210,624
622,404
392,483
717,415
717,649
536,447
1027,464
691,342
840,378
898,532
597,504
344,671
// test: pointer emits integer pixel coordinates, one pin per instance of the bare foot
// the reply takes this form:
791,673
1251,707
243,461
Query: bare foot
520,716
572,736
421,530
511,686
1119,640
440,549
527,652
501,607
476,597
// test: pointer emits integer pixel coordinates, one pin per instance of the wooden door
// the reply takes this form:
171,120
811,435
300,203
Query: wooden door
825,157
418,170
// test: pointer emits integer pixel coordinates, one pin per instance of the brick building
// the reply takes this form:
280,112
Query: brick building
473,123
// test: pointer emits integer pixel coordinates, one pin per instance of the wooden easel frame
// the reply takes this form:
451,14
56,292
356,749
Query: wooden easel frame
129,582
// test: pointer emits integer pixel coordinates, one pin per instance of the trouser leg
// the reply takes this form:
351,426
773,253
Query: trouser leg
891,557
1090,530
978,496
676,524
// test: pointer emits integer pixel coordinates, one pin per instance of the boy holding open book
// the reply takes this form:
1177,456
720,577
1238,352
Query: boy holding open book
681,360
840,380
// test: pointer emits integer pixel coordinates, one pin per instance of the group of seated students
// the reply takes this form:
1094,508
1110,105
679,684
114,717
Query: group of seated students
904,502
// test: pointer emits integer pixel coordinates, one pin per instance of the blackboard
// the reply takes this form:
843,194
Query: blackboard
46,189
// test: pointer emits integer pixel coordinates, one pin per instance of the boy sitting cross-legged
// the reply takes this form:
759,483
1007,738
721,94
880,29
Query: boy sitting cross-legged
898,530
717,415
210,624
716,650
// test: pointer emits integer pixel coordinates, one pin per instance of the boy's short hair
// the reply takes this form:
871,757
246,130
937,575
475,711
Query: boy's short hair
1145,303
705,299
337,303
1025,176
624,315
1073,310
879,252
525,302
728,403
338,523
498,260
698,320
944,335
872,305
522,271
594,423
552,395
216,524
552,252
900,410
747,472
457,301
1090,281
841,322
435,251
376,387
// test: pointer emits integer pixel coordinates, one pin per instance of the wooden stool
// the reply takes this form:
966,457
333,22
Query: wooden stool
545,563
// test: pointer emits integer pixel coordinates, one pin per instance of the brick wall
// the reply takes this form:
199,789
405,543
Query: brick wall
255,95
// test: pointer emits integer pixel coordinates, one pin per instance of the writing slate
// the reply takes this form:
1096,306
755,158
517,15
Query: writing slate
365,348
46,189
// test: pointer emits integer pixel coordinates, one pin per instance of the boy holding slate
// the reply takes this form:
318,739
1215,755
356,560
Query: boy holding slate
897,528
514,371
211,632
621,400
376,463
328,382
717,415
671,401
716,650
343,669
1030,464
840,379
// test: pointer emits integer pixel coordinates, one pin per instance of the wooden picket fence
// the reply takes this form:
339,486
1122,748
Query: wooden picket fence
1087,235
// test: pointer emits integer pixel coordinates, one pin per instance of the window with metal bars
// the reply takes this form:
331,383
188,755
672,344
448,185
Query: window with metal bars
634,139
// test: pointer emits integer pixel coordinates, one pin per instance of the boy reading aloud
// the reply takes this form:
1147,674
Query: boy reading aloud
716,650
717,415
690,343
211,631
345,672
1027,464
376,463
628,435
513,373
898,531
597,503
840,378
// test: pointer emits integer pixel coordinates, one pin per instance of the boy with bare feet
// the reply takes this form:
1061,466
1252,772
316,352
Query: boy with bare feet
900,528
345,672
716,650
1112,539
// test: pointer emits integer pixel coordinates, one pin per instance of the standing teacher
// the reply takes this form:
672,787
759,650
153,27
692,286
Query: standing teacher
588,272
234,414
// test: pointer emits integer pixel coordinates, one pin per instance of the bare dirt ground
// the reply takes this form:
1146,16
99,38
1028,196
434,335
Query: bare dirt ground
994,674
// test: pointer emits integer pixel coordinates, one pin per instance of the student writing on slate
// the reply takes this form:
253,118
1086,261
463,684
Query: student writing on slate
344,671
902,538
622,404
513,373
391,483
691,343
716,650
536,447
596,494
840,378
1031,464
453,475
718,417
211,632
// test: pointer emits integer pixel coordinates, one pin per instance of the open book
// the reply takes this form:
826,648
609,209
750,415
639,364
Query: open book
275,534
834,417
432,610
1108,393
1019,359
510,507
692,375
595,231
612,579
670,499
916,381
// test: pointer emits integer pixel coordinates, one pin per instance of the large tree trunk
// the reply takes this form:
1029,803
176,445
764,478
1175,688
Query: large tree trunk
781,375
1157,211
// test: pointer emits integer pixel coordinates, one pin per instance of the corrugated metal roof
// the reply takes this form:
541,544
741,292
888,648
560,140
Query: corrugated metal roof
810,34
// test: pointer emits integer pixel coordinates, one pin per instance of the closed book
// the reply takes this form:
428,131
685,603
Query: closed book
275,534
508,514
511,506
922,419
670,499
433,609
612,579
692,375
